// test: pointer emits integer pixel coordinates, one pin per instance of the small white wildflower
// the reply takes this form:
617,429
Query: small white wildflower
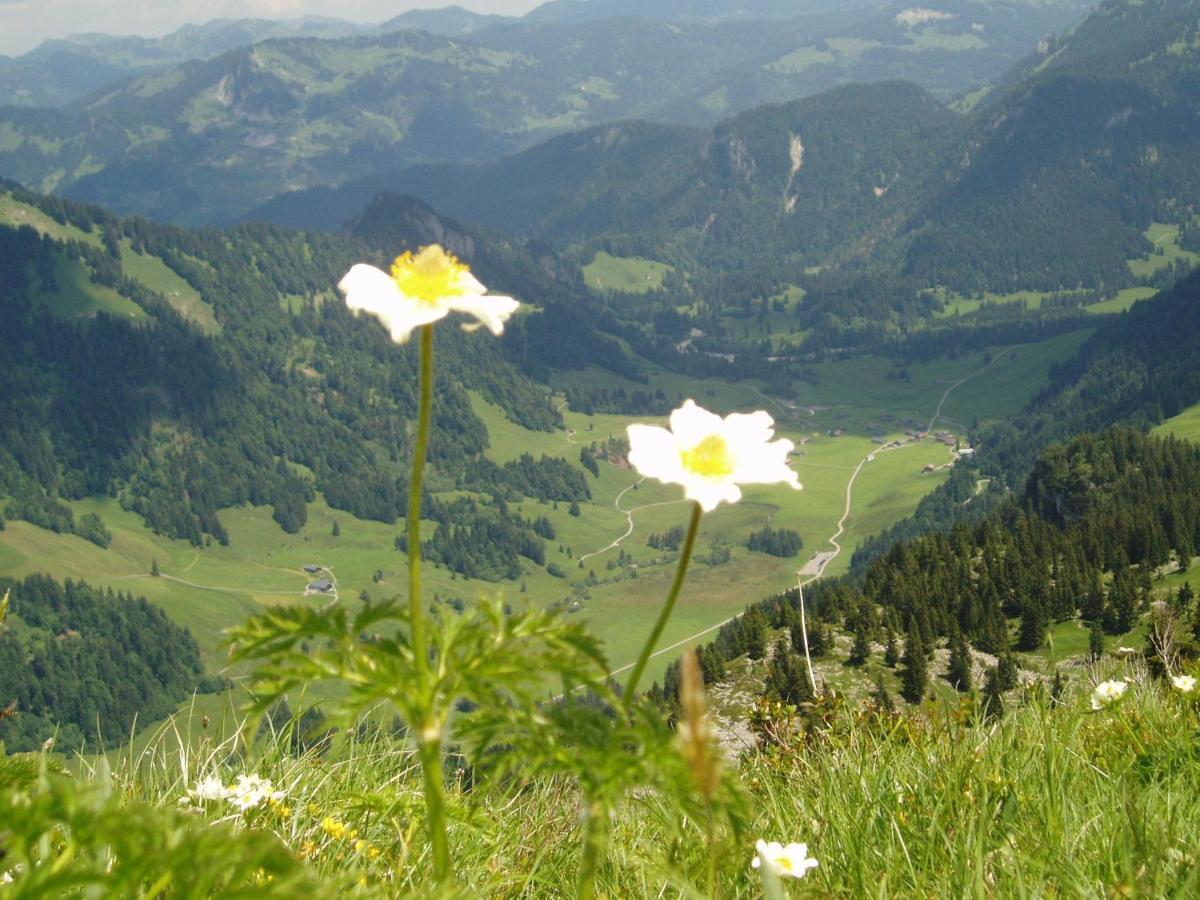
1185,683
421,289
251,791
791,861
1107,693
210,788
711,456
6,878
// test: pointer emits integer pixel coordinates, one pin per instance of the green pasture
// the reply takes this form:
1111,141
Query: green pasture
1164,237
956,304
211,588
77,296
161,278
16,214
1185,425
1122,301
624,274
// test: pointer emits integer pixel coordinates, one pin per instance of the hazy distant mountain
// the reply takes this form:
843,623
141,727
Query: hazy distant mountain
448,21
59,71
208,141
1050,185
686,10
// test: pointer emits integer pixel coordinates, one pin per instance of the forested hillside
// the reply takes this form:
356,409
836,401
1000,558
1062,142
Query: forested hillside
798,183
81,664
1137,369
240,384
1084,538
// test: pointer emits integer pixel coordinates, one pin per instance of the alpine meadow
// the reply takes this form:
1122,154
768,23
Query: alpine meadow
603,449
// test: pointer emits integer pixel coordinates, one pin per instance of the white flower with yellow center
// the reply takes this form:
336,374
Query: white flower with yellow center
711,456
1108,693
251,791
423,288
791,861
1185,683
210,788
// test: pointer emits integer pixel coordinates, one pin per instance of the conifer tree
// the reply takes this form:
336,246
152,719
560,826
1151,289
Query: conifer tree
1032,633
959,671
993,694
787,679
818,642
1096,642
891,652
756,635
860,650
882,696
915,674
154,567
1058,687
1007,673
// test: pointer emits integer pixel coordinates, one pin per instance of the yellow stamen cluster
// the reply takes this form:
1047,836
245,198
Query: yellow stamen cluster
430,275
710,458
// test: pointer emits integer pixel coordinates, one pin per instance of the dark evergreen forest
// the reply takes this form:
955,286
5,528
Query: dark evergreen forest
82,664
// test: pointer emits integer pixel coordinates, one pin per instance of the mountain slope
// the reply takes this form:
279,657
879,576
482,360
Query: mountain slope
207,141
288,394
60,71
1067,170
825,176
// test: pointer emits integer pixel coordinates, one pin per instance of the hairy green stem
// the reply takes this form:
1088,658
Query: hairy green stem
429,742
595,842
416,610
680,572
435,806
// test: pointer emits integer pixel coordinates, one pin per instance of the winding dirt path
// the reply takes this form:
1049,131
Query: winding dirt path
628,518
937,413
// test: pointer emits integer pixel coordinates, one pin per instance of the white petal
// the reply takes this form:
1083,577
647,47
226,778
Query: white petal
711,492
492,311
373,291
692,424
757,426
764,464
654,452
469,284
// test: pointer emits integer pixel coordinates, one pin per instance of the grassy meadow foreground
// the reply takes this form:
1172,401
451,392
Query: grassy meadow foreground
1052,800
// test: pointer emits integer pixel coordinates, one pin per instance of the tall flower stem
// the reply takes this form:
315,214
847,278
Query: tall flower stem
595,840
429,737
416,610
680,572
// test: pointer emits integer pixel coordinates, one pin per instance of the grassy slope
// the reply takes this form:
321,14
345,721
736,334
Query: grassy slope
1047,801
78,296
630,275
1185,425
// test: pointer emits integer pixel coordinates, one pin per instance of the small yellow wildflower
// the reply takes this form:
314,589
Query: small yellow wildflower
335,829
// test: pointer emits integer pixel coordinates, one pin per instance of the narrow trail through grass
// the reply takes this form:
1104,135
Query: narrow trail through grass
628,518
